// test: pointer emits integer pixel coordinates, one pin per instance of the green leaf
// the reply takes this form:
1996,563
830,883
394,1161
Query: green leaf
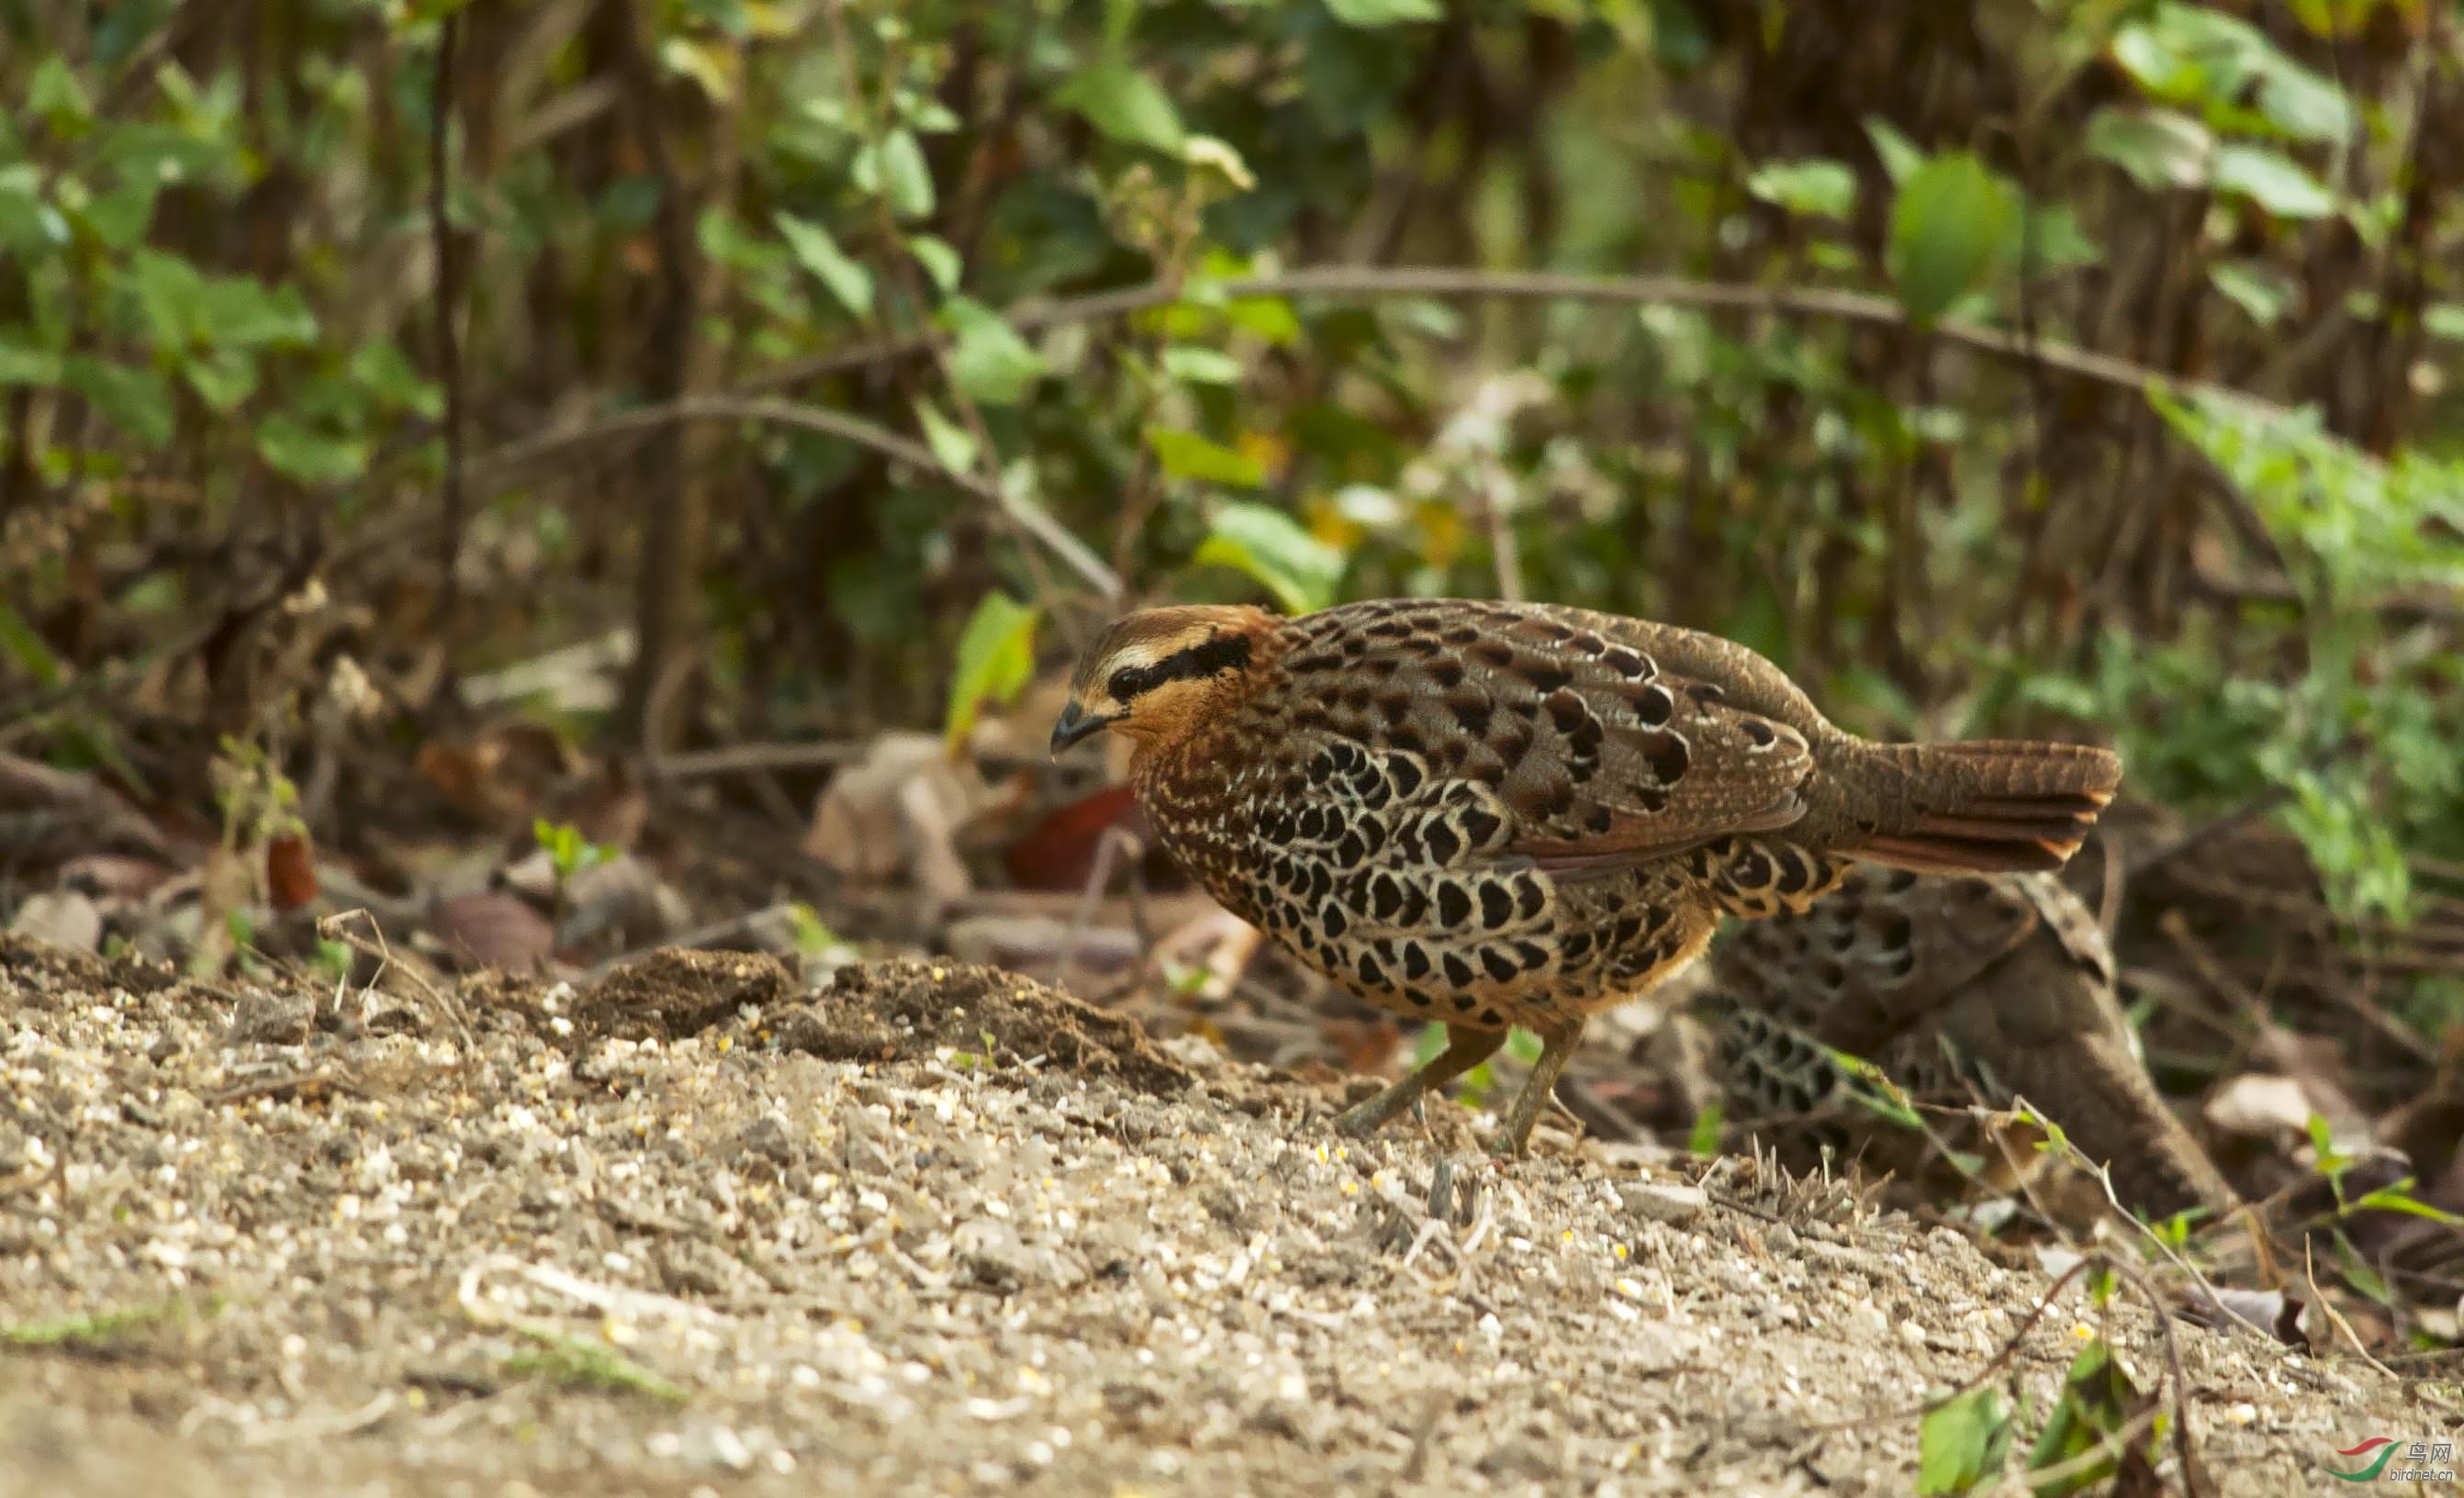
995,659
2444,319
380,367
1200,366
54,92
1818,187
1951,224
1900,156
1384,12
171,295
2159,148
1124,103
818,252
2394,1199
2257,288
2098,1401
1702,1140
135,400
2273,180
989,362
2304,106
2151,58
18,639
1962,1444
221,377
1185,455
28,225
241,311
894,168
1272,548
939,260
951,445
1267,318
25,363
121,216
293,448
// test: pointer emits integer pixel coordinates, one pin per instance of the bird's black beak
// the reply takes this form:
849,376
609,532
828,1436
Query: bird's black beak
1075,725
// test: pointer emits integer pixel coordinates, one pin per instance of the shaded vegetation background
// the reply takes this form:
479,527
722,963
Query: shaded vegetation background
777,373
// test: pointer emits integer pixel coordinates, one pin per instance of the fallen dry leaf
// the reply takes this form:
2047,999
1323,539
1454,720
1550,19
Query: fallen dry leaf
493,929
63,917
898,810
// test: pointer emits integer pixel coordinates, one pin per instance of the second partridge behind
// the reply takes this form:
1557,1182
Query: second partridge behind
1495,814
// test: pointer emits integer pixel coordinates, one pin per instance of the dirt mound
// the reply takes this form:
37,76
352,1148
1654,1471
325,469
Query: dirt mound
908,1010
674,992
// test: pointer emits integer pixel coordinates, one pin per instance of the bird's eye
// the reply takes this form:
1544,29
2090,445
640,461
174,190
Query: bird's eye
1125,684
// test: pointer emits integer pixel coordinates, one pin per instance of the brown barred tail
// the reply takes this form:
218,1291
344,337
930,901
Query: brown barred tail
1992,806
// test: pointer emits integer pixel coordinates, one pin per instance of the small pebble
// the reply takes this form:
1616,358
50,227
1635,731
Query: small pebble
1655,1202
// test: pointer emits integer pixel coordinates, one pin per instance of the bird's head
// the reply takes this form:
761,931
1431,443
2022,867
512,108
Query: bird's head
1156,673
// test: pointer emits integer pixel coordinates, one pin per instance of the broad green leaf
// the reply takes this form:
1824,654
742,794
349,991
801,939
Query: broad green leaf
28,649
54,92
135,400
1384,12
1818,187
2053,239
1124,103
1951,224
25,363
380,367
2151,60
293,448
952,445
939,260
1900,156
995,659
121,216
818,252
2304,106
28,225
1268,318
710,64
894,168
989,361
2444,319
221,377
241,311
1962,1444
2273,180
1200,366
2159,148
173,296
1186,455
1272,548
2257,288
2098,1400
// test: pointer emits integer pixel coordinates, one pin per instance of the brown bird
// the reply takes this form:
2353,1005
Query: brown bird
1984,988
1502,814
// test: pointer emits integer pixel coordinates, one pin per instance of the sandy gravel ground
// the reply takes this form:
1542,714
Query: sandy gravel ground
933,1229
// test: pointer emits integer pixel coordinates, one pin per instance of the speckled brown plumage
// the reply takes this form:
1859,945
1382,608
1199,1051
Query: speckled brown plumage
1496,815
1980,988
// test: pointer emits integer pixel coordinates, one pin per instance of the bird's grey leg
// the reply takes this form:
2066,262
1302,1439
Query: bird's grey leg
1465,1048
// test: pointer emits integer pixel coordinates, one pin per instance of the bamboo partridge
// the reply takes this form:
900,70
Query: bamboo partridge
1976,988
1500,814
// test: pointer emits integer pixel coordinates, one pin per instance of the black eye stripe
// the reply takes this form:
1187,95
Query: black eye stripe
1223,653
